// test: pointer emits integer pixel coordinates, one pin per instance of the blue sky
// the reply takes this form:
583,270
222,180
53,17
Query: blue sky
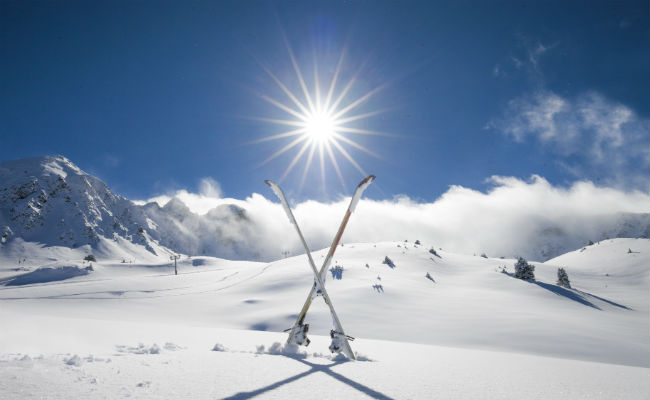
153,97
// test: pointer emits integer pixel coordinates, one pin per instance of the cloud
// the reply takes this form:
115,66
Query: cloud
605,138
208,197
526,58
111,160
208,187
514,217
536,52
496,71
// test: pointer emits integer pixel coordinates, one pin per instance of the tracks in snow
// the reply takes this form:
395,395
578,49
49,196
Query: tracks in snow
119,292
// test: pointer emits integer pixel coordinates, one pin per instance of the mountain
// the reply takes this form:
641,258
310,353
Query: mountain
51,201
550,241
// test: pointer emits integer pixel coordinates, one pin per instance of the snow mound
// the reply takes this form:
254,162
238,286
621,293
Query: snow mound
277,348
295,351
219,347
74,361
141,348
45,274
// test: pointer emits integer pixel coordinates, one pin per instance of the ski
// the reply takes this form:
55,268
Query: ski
323,271
298,333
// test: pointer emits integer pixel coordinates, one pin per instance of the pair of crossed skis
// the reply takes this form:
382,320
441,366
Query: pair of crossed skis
298,333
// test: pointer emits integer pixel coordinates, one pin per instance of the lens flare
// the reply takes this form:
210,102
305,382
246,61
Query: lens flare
318,124
320,127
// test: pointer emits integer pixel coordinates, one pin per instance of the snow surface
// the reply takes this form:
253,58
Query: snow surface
134,329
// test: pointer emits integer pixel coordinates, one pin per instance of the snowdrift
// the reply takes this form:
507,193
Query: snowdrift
45,274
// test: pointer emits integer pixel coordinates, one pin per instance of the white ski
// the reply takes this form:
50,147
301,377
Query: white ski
298,332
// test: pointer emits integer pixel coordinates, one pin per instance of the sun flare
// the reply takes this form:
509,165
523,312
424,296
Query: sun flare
320,127
319,122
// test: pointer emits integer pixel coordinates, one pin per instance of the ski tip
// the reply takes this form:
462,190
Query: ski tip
367,180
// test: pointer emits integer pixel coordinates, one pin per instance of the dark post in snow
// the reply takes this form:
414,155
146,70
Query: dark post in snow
175,257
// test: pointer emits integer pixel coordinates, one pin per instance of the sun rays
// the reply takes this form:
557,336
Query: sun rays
318,122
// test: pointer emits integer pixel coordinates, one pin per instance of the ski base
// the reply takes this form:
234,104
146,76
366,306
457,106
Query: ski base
298,335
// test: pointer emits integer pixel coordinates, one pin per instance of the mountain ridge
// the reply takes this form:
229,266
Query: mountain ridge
52,201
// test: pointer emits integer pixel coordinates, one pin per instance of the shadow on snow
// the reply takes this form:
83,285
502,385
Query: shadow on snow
44,275
573,294
327,369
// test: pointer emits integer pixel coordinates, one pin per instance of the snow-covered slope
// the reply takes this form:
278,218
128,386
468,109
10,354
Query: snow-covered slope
550,241
465,331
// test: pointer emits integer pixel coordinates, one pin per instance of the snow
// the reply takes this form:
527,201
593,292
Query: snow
134,329
254,364
45,274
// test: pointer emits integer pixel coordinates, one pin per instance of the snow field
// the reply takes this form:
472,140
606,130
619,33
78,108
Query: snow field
252,364
137,330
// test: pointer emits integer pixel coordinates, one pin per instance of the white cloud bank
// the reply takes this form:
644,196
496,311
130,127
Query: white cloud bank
592,135
515,217
208,197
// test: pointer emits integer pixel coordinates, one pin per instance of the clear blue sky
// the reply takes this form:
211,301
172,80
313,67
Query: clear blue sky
152,96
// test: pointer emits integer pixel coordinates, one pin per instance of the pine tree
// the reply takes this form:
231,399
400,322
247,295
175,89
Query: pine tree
563,278
523,270
388,262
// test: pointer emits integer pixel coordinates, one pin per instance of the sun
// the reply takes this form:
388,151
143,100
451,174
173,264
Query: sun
319,121
320,127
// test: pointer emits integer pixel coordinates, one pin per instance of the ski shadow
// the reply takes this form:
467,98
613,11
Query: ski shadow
314,368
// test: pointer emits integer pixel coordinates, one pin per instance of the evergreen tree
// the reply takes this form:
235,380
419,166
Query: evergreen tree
523,270
563,278
388,262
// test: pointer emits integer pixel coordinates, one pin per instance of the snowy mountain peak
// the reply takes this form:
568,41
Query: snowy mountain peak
52,201
177,208
56,165
61,166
